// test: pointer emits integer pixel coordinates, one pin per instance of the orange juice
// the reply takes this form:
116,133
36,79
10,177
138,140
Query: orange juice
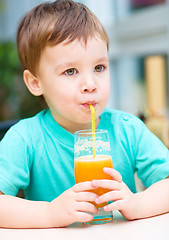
88,168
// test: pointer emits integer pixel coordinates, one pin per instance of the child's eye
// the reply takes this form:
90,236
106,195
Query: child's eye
99,68
70,72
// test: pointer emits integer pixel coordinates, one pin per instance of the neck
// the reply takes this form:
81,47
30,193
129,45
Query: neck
72,128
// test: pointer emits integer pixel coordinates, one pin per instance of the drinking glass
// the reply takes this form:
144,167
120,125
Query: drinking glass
89,167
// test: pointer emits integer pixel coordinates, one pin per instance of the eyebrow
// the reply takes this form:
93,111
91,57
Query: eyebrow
65,65
69,64
103,59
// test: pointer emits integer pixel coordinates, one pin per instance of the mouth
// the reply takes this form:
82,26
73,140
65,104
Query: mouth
86,105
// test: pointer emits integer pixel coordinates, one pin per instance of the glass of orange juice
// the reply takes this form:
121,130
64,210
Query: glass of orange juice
89,166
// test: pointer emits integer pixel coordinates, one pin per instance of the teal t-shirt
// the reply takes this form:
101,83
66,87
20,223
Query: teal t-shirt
37,155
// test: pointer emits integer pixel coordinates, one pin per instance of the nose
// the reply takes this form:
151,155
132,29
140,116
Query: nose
88,84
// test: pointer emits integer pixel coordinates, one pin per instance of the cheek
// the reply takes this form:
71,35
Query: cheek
105,88
64,98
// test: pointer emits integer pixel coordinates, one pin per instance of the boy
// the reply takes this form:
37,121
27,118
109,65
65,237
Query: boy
63,50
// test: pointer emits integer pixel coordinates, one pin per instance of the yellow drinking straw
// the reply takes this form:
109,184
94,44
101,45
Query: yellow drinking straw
93,129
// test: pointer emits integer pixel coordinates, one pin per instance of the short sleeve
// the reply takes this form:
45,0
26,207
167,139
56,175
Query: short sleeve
14,163
152,156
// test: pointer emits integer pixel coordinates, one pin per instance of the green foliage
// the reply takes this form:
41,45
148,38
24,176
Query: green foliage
16,102
9,63
1,6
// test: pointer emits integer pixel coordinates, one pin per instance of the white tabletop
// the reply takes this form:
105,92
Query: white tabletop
150,228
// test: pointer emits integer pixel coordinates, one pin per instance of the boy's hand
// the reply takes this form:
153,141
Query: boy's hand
123,199
73,204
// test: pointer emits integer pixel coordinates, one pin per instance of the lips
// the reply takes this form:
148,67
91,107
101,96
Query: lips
86,105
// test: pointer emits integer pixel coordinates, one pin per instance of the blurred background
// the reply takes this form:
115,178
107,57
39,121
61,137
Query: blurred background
139,53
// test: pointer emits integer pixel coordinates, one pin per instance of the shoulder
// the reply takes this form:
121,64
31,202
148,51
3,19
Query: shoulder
120,118
122,123
26,128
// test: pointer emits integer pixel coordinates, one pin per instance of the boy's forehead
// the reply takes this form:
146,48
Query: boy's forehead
76,51
69,45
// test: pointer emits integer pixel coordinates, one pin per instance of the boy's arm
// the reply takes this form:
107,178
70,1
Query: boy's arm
71,206
20,213
154,200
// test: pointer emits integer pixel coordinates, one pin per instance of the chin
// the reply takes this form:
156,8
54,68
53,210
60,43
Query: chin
84,123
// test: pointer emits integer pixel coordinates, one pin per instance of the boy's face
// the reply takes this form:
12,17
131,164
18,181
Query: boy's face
72,76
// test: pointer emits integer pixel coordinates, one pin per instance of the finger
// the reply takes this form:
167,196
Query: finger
109,196
83,217
113,173
86,197
86,207
117,205
109,184
83,186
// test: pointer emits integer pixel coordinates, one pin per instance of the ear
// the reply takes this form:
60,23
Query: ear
32,83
